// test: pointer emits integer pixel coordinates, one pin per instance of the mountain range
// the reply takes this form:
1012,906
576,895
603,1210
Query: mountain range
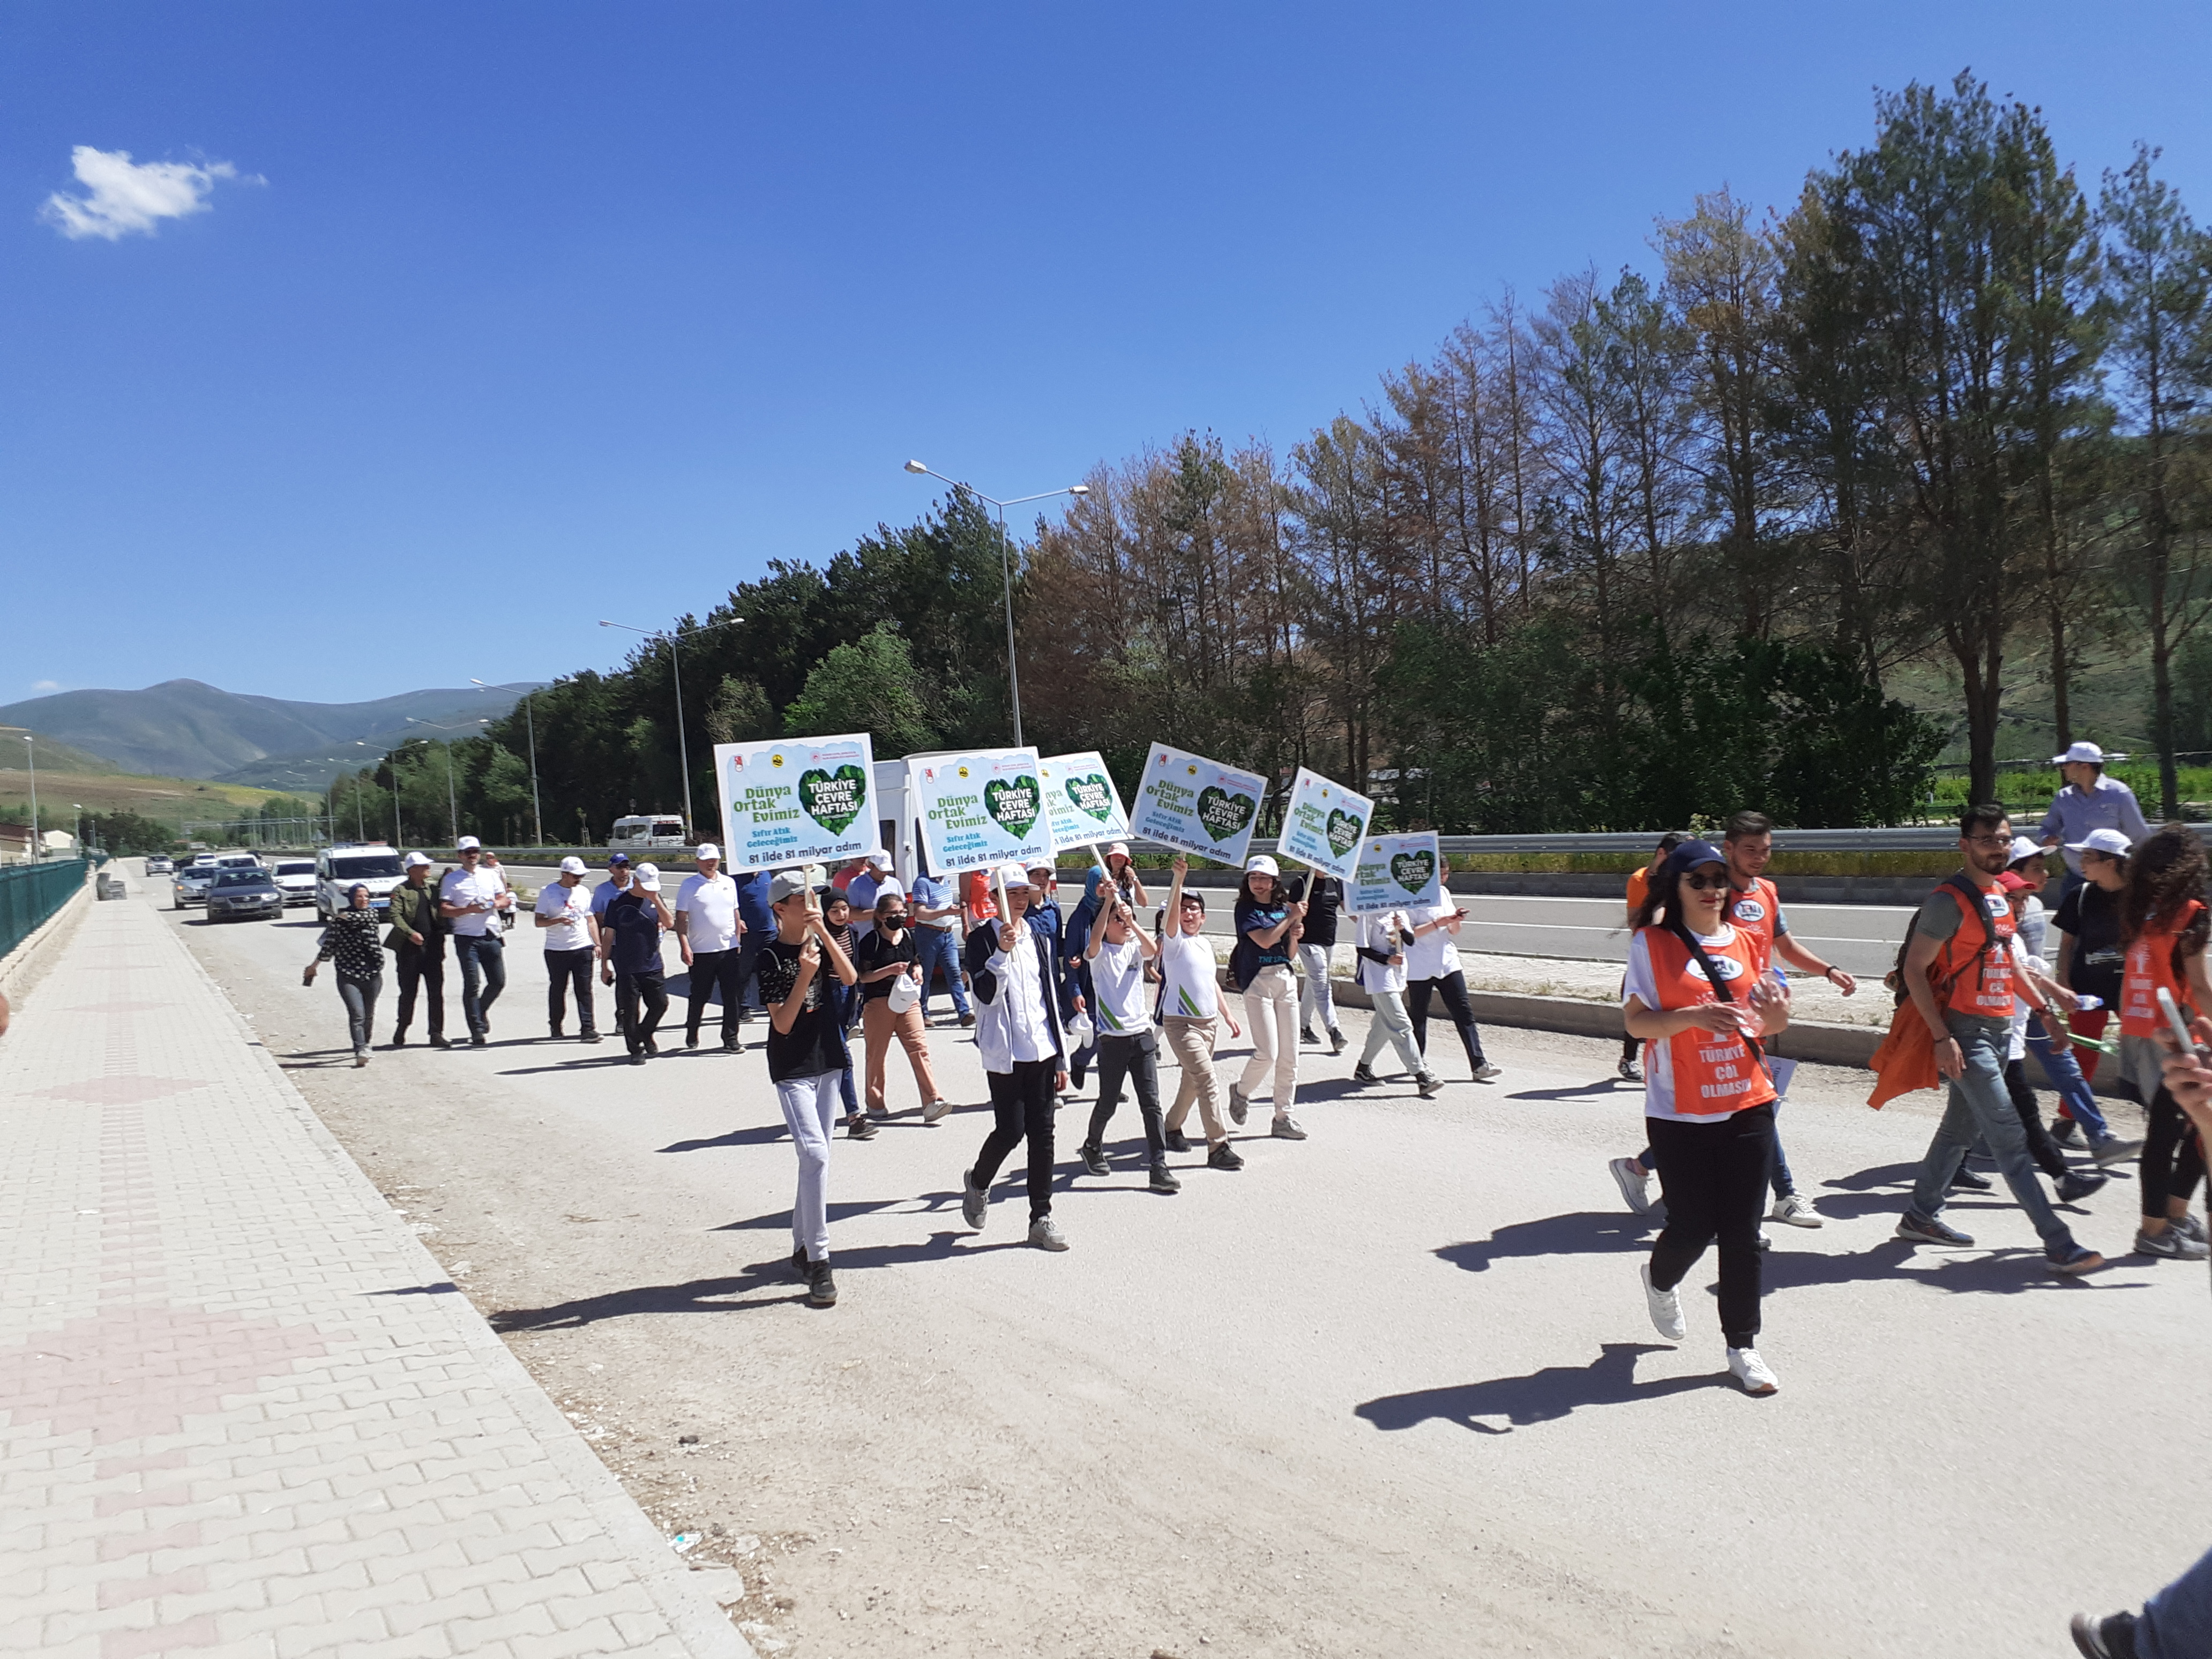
186,729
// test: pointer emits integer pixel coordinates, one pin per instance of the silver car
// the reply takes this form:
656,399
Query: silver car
244,895
190,884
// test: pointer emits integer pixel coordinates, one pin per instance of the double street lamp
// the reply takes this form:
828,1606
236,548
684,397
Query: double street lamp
1006,567
676,663
529,725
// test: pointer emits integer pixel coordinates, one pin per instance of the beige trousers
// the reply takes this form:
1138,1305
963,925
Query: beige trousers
1192,1039
879,1026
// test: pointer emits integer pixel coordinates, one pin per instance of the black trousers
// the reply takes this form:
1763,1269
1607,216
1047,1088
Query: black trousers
1452,988
566,971
721,973
1714,1176
2172,1158
1137,1059
422,967
2040,1147
1021,1101
640,1001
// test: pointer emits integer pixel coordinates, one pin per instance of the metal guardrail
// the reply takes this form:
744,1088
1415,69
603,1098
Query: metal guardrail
31,893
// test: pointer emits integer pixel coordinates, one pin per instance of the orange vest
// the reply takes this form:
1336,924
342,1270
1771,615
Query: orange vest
2149,970
1753,913
1639,883
1967,977
1714,1075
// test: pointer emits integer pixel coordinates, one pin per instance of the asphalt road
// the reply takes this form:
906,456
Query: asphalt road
1389,1391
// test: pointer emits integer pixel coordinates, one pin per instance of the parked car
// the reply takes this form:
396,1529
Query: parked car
240,895
375,866
646,831
296,880
158,864
190,885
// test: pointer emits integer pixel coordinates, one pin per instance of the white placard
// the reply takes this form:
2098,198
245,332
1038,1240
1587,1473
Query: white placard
1080,798
802,800
1198,804
1396,873
1325,825
981,809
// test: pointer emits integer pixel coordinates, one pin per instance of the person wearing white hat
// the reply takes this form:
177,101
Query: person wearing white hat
865,887
417,941
805,1059
1016,974
2089,801
2090,963
707,930
471,900
1268,925
629,960
572,939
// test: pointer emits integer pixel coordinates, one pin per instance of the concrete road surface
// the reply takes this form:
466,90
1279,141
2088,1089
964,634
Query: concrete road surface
1391,1391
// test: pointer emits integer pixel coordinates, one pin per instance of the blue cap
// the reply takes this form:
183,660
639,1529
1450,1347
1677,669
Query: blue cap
613,859
1688,856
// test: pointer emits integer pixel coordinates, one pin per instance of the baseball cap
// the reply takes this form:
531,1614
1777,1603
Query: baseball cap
787,883
572,866
2012,882
878,855
613,859
1261,864
1688,856
2102,840
648,878
708,850
416,860
2023,847
1120,847
466,842
1011,874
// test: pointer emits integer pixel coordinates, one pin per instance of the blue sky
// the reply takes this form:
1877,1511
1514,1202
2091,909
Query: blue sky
545,313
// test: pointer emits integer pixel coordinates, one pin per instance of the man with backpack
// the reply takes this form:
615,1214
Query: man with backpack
1958,971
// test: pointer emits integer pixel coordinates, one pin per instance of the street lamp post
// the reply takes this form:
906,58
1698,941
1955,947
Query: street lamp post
529,726
1005,568
77,830
38,851
676,666
453,800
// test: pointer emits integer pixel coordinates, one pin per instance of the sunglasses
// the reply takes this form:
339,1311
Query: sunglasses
894,915
1697,884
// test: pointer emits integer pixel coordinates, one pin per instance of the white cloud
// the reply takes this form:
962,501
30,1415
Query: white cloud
125,195
45,685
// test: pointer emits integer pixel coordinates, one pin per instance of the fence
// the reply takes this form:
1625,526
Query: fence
29,893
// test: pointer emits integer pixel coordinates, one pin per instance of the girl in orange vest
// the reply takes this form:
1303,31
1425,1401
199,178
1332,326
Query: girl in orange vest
2163,928
1698,1001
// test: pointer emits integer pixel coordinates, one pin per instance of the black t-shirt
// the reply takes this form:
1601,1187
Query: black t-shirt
878,951
2092,916
812,1046
1326,894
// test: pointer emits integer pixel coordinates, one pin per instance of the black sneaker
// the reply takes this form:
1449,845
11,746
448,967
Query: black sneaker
554,1032
821,1288
1175,1140
2079,1184
1224,1157
1361,1074
479,1041
1163,1179
858,1129
732,1046
588,1037
1972,1181
1338,1042
2112,1636
440,1042
1093,1159
2066,1131
399,1038
799,1260
1306,1035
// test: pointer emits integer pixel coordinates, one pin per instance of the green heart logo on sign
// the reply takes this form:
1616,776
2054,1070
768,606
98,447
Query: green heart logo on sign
1413,871
1013,804
1222,814
832,799
1091,795
1345,829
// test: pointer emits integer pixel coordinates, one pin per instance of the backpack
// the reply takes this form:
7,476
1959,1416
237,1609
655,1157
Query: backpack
1959,884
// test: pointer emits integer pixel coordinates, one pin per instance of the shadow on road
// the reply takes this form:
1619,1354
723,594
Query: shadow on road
1543,1396
697,1296
1580,1233
1611,1085
761,1134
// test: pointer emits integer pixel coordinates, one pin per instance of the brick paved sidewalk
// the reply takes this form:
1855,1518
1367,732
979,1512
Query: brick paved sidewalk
240,1411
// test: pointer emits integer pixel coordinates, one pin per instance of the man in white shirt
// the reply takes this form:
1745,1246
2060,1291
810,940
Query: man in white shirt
865,888
2089,801
571,940
1017,979
707,929
471,900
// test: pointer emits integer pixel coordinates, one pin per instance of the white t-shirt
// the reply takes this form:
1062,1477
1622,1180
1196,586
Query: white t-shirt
1190,976
1117,974
1432,956
573,902
1380,933
710,908
465,888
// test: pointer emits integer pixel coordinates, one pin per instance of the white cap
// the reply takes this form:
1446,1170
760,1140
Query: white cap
1120,847
2022,847
416,860
2084,753
1012,875
708,850
467,841
648,878
1261,864
878,855
2102,840
572,866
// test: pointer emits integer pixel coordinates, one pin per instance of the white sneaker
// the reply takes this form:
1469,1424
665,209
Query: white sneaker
1666,1308
936,1109
1748,1368
1797,1210
1635,1184
1045,1234
1485,1071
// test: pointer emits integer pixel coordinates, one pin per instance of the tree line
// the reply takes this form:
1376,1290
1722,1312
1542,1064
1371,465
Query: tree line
1644,546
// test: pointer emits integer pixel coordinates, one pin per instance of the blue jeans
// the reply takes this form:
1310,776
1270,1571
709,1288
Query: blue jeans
2065,1074
1981,1109
2177,1622
939,949
483,957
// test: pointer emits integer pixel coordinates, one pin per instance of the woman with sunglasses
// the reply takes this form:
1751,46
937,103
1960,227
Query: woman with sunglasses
1698,1003
891,951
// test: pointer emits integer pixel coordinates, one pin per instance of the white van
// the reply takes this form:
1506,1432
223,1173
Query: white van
375,867
646,831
